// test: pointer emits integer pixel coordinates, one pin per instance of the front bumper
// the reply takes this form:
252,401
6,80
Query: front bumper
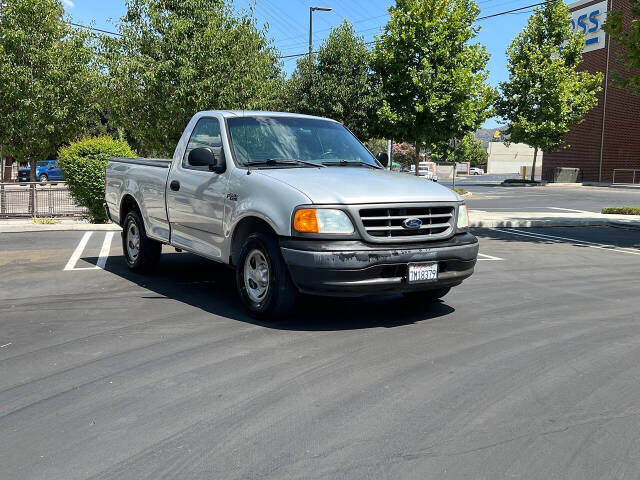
355,268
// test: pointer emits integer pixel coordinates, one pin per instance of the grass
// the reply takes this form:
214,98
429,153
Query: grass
44,220
622,210
460,190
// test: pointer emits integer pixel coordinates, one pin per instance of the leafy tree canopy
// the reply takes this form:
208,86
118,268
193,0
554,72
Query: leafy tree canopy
175,58
432,77
48,81
336,85
469,149
545,97
630,40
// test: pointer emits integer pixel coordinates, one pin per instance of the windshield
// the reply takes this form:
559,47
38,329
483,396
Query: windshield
260,138
41,163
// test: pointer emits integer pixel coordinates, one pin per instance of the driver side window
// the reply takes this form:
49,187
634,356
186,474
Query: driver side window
206,133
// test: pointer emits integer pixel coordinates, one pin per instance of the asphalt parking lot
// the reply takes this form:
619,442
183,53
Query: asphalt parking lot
528,370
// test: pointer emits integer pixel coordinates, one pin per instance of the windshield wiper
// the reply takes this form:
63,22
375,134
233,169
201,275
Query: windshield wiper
346,163
283,161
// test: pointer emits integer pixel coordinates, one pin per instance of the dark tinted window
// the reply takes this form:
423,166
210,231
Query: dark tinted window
206,133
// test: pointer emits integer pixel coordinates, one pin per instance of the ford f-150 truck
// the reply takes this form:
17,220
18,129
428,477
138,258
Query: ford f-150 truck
294,203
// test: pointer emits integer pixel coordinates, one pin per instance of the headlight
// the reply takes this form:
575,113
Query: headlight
463,218
322,220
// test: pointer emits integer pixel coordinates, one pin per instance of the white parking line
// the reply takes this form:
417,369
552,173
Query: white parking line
102,257
570,210
489,258
553,238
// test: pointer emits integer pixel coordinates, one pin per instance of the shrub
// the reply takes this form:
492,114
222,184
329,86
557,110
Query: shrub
459,190
622,210
83,164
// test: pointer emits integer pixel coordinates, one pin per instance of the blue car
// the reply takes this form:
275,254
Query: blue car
45,170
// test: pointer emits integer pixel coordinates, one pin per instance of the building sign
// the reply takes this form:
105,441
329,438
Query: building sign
589,20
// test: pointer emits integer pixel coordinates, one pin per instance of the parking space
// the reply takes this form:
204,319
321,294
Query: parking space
527,370
497,198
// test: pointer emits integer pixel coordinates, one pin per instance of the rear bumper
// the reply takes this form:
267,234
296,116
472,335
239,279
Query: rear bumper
354,268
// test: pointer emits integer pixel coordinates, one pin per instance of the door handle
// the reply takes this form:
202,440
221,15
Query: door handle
174,185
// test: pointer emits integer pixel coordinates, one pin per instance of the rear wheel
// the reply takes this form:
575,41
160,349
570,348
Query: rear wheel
140,252
427,296
262,278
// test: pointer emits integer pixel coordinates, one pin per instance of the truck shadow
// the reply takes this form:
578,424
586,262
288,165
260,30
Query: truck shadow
210,287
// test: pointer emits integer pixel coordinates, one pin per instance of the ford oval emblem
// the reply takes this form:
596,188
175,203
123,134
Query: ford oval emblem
412,223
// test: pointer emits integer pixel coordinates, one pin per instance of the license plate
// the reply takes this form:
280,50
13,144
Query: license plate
423,272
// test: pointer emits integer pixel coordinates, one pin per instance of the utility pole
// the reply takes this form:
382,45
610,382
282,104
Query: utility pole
311,10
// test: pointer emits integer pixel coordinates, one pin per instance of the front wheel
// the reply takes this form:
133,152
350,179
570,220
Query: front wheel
43,178
262,278
140,252
427,296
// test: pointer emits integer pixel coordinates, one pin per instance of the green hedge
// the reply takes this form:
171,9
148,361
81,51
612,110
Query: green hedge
622,210
83,164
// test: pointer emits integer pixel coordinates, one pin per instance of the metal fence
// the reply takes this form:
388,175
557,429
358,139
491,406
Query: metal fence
37,199
626,176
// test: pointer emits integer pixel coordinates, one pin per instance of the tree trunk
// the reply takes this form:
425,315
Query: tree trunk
417,160
533,169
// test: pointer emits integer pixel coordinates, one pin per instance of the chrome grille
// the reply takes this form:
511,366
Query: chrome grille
386,224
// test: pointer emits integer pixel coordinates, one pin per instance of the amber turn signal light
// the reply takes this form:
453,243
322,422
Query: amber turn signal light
305,221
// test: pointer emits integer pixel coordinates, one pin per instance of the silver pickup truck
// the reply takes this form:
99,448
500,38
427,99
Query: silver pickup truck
294,203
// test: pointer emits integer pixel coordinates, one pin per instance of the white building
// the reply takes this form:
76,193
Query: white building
509,159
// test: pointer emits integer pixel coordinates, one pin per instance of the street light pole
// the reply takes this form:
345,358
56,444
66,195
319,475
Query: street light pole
311,10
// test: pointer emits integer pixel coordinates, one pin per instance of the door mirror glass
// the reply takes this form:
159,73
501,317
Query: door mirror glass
383,158
202,157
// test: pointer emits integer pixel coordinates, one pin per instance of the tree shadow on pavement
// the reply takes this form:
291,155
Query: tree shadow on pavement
210,286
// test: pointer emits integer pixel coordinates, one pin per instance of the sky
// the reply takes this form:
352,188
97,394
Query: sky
288,24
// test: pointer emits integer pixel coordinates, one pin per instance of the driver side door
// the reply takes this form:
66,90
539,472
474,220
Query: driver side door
196,196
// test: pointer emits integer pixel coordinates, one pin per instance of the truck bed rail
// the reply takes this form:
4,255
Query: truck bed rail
150,162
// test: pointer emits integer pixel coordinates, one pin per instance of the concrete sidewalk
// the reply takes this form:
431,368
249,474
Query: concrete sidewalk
478,219
62,224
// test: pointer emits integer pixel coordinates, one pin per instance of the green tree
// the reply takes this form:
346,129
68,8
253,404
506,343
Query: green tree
630,40
174,58
431,77
48,80
336,84
469,149
545,97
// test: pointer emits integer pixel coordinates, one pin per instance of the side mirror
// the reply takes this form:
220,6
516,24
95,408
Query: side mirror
204,157
383,158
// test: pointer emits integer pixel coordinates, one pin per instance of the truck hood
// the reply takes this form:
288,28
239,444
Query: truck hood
357,185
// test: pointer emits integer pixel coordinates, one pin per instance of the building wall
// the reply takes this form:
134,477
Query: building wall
509,158
621,145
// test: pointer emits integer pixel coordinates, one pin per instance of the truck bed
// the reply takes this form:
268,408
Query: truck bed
146,179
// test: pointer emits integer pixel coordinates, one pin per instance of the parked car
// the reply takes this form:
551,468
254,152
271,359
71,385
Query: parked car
476,171
45,170
426,170
295,204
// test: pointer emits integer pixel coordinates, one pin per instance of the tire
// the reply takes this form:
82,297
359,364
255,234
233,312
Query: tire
140,252
43,178
427,296
263,280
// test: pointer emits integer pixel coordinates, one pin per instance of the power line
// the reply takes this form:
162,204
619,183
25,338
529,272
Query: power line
506,12
283,57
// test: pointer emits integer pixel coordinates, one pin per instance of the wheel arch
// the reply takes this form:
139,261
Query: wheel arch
245,227
128,203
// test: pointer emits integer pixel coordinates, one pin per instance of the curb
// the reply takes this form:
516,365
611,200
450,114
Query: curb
509,184
531,223
83,227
